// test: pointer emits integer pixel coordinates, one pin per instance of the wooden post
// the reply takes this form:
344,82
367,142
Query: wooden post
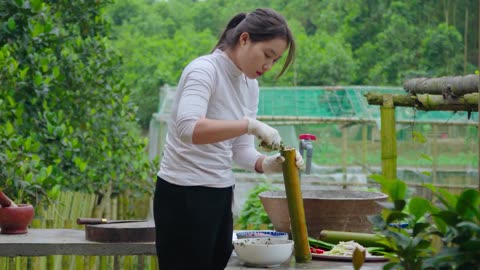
298,222
388,138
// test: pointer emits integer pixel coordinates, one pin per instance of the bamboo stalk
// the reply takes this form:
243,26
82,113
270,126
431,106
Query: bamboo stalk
428,102
153,263
36,261
127,262
103,263
388,138
67,259
295,207
11,263
456,85
50,258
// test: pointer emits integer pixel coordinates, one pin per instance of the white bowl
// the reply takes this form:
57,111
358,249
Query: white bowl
263,252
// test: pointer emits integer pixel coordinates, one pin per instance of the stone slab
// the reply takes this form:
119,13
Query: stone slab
43,242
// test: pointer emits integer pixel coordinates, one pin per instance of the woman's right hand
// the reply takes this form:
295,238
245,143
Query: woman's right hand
264,133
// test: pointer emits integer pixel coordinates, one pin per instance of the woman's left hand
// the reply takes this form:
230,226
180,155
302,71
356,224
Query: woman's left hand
273,163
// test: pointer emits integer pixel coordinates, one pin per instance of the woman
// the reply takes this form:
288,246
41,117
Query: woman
211,126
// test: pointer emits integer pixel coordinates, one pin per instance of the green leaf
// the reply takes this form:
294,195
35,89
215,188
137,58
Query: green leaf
23,73
419,227
56,71
396,216
449,217
399,204
468,204
37,29
36,5
418,206
396,189
11,24
19,3
9,129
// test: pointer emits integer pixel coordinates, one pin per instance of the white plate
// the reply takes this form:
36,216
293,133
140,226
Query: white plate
347,258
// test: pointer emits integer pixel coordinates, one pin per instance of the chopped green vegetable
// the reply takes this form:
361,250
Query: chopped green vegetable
320,244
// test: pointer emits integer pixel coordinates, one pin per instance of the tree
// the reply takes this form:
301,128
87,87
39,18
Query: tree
67,122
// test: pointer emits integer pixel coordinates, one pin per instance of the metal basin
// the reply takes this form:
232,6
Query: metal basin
338,210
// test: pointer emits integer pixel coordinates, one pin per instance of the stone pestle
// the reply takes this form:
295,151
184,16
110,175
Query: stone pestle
5,201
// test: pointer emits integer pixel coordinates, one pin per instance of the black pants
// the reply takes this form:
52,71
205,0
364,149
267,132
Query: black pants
193,226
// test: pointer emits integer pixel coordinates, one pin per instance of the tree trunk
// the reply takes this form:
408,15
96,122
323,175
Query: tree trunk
447,86
427,102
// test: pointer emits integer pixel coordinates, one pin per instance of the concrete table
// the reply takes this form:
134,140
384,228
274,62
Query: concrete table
45,242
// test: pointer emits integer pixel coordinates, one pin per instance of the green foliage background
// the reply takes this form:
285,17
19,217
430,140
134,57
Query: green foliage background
340,42
79,79
66,121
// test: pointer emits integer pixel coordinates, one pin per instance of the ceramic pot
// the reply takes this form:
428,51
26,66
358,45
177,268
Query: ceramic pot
15,220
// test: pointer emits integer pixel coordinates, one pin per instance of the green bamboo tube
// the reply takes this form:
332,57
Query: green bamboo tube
298,222
36,261
22,263
50,258
389,139
92,262
141,261
153,263
11,263
67,259
116,262
3,262
127,262
365,239
103,263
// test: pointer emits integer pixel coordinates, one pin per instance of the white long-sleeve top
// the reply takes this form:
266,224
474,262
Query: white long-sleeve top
210,87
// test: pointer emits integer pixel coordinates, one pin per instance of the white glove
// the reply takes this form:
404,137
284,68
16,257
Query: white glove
273,164
264,133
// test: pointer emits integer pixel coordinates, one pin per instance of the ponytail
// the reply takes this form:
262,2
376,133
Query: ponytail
236,20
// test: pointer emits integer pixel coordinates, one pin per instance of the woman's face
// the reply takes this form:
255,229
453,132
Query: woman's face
256,58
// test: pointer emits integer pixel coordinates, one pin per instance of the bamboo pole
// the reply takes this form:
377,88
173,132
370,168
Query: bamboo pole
454,85
428,102
388,138
50,258
67,259
295,207
36,261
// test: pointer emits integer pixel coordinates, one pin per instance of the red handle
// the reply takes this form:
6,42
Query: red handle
307,137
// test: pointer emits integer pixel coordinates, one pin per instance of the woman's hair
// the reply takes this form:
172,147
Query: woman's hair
263,24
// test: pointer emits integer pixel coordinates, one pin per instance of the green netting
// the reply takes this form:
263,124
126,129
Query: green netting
345,102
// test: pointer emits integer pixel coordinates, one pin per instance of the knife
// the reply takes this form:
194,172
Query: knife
94,221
